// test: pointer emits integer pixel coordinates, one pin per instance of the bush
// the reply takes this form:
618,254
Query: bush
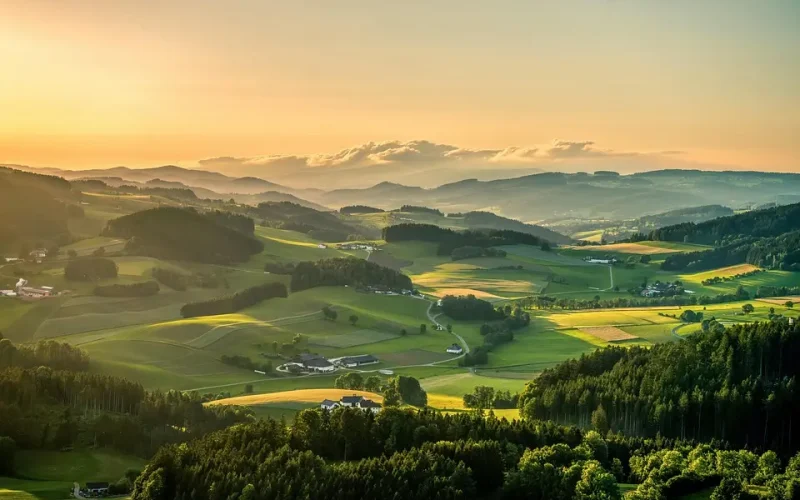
144,289
90,269
236,302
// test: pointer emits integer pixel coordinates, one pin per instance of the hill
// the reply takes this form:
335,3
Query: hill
181,234
547,195
324,226
758,223
32,210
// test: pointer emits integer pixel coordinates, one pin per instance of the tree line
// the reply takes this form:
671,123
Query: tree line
346,271
236,302
735,384
359,209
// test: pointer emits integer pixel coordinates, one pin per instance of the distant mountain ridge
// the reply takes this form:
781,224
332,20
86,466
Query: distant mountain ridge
529,198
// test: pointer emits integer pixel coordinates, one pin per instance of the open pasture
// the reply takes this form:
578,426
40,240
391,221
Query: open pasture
781,301
607,333
49,475
481,276
353,339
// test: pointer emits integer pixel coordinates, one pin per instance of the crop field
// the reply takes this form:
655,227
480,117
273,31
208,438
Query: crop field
642,248
49,475
780,301
534,350
458,384
608,333
296,396
481,278
609,317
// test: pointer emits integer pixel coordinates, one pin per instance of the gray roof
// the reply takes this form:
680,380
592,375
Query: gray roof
352,399
317,363
368,403
364,358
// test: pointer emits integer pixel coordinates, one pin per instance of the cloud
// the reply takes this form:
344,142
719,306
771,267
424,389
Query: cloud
421,152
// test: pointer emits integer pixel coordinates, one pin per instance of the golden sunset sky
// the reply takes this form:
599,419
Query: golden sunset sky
92,84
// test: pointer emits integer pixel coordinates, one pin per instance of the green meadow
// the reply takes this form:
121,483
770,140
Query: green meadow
50,475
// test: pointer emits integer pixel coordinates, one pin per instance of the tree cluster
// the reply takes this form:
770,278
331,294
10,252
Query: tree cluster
55,355
236,302
90,269
246,363
173,279
347,271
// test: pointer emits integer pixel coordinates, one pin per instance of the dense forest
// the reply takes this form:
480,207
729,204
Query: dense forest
49,400
236,302
31,213
404,454
182,234
736,384
757,223
239,222
450,240
778,252
347,271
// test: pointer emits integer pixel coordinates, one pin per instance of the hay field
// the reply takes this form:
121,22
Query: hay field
296,396
608,333
643,248
780,301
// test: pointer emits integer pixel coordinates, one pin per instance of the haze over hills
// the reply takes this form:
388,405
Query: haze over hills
535,197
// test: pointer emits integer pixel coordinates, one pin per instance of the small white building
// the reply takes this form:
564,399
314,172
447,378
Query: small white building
329,405
455,349
322,246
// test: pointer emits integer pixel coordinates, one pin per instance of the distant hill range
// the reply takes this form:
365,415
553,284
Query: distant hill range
528,198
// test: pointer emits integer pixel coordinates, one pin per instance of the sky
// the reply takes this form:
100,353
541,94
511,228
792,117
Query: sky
269,87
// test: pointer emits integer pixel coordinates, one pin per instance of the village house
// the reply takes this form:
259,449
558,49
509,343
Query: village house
38,254
455,349
353,401
592,260
97,489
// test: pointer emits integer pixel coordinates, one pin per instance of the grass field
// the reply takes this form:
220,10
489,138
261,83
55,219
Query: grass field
49,475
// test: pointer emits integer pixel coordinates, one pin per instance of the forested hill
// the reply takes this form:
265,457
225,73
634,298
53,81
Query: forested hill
489,220
450,240
319,225
758,223
182,234
737,384
32,209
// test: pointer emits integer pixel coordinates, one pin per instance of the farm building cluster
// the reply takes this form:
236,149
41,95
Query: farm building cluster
659,289
353,401
357,246
316,363
607,260
23,291
382,290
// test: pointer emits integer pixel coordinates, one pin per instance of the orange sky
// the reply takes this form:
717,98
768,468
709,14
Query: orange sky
97,84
